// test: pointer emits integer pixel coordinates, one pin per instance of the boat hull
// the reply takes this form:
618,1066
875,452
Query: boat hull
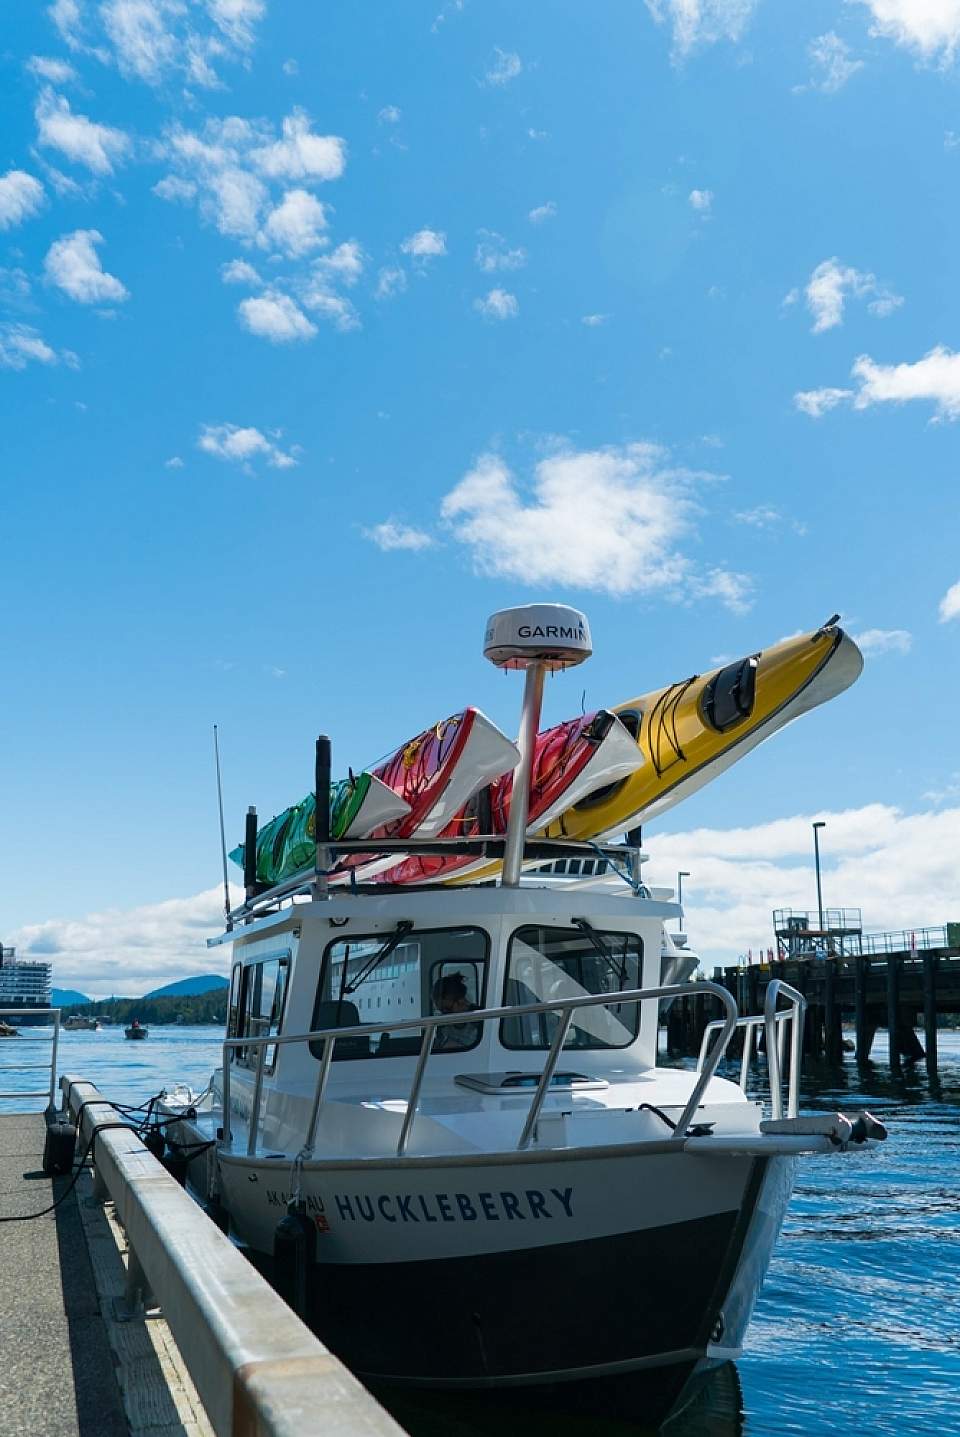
530,1271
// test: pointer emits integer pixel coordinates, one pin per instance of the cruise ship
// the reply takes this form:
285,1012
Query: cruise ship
24,983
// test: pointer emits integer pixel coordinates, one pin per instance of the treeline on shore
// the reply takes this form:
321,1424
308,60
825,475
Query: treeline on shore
181,1008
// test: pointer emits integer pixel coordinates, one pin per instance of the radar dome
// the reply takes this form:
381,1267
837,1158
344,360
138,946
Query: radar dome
550,634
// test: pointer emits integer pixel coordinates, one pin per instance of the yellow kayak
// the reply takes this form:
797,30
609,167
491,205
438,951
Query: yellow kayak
691,731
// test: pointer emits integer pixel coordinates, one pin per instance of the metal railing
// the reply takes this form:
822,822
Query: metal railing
775,1021
566,1008
905,940
16,1045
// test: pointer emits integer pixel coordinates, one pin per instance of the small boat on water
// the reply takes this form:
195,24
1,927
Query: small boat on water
7,1030
76,1023
136,1030
452,1094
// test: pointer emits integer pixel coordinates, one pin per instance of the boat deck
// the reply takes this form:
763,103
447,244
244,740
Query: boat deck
68,1368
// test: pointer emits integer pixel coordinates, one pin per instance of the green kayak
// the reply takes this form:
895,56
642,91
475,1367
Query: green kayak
288,843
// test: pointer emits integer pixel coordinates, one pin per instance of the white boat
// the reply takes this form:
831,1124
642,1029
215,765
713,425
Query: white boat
456,1091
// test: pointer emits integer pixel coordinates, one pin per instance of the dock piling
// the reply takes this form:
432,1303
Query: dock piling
893,1011
930,965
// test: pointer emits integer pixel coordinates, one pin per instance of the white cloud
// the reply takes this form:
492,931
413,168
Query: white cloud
276,317
950,604
297,224
290,67
135,949
504,67
935,377
175,462
702,22
617,521
425,244
137,29
900,868
235,201
393,535
817,402
344,264
21,345
391,280
153,40
237,271
21,197
73,265
828,287
300,154
833,67
593,321
542,212
82,140
493,253
929,27
321,293
389,115
173,188
701,200
497,304
874,642
237,18
241,445
57,72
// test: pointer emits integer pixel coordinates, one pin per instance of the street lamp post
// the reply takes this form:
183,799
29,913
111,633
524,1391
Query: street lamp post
816,858
681,875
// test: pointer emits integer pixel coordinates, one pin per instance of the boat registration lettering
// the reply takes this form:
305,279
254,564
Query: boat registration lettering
529,1204
314,1207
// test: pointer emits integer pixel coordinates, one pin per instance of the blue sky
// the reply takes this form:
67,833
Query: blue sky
326,331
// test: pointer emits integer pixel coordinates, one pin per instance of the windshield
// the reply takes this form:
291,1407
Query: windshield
545,965
429,972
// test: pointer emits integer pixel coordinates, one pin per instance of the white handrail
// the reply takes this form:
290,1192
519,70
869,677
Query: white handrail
774,1021
54,1041
565,1007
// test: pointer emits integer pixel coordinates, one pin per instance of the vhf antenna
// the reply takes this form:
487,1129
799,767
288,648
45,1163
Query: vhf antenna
223,836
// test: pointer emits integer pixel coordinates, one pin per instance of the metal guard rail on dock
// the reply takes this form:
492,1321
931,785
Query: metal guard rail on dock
774,1023
259,1371
54,1040
565,1007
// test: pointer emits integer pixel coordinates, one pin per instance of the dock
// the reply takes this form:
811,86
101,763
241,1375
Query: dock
125,1312
902,981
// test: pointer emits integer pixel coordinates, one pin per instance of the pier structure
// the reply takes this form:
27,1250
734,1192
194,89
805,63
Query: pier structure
902,981
126,1312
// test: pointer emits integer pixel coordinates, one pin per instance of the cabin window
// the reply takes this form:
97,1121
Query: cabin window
545,965
233,1006
357,990
729,697
262,996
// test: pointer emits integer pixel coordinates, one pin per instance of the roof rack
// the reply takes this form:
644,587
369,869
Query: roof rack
483,846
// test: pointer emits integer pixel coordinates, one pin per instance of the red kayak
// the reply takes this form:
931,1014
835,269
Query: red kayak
570,761
437,773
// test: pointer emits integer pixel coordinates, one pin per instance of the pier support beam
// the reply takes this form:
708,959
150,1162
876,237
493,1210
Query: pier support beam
893,1011
930,965
864,1029
833,1031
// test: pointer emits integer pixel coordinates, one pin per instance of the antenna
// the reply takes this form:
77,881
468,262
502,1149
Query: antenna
223,836
538,638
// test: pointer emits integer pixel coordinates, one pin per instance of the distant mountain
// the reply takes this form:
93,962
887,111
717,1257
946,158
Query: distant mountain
190,987
63,997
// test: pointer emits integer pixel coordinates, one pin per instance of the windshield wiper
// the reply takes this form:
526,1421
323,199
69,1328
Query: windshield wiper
404,927
597,943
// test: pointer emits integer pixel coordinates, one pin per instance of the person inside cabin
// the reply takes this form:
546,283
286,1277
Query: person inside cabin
450,996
